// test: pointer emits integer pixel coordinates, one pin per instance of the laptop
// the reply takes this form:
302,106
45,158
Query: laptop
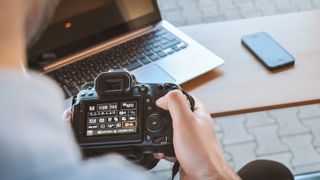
88,37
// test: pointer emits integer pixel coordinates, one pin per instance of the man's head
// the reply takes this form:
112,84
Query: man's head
38,13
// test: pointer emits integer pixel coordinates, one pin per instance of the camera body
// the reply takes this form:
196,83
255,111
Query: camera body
118,114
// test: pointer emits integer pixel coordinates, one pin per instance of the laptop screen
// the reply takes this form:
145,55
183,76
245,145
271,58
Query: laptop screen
79,24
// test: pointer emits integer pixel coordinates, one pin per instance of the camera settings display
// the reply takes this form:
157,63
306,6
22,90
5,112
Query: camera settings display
112,118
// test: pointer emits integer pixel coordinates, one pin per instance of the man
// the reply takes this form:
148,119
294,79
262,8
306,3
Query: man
37,144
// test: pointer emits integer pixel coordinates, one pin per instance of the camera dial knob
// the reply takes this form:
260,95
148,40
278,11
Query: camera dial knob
143,88
155,123
170,86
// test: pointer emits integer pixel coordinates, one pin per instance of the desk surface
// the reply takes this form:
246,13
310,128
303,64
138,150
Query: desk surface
242,84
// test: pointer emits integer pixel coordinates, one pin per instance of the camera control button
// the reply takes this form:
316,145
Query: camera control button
82,93
102,126
92,121
149,108
132,112
148,137
175,87
161,140
128,105
160,87
155,123
143,88
89,133
169,86
90,93
148,99
93,127
92,108
132,118
101,120
123,113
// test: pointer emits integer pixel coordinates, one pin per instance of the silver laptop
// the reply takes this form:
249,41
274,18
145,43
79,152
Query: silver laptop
91,36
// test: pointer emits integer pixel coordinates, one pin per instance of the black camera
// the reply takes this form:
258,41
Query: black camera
117,114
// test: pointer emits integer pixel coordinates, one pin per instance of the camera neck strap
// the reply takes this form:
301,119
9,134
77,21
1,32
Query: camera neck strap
175,169
190,99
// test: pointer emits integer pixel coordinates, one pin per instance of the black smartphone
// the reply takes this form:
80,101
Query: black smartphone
267,50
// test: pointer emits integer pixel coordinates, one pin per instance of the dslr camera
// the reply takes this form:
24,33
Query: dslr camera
115,113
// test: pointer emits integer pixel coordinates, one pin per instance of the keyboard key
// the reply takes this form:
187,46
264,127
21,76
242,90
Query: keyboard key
140,56
156,45
156,50
148,53
175,42
145,60
166,46
115,66
175,48
131,60
158,38
134,65
160,32
169,37
150,42
162,54
164,41
148,48
148,37
154,57
183,46
124,63
170,51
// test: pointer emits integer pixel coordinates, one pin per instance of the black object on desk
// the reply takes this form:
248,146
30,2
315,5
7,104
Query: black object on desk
267,50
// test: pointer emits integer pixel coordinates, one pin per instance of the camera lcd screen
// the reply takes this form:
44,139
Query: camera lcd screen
112,118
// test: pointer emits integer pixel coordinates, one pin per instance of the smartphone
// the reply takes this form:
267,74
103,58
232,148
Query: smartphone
268,51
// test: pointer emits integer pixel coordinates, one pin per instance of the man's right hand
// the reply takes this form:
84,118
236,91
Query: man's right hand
194,138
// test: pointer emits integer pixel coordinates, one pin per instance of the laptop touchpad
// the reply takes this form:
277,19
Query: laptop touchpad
153,74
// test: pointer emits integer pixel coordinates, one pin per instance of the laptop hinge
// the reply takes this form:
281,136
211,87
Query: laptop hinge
93,50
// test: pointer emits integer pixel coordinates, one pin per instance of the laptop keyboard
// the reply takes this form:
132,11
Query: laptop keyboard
130,55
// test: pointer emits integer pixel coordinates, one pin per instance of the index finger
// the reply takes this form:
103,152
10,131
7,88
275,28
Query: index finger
175,101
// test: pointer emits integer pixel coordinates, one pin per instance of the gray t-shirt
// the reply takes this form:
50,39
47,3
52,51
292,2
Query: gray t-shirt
37,144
